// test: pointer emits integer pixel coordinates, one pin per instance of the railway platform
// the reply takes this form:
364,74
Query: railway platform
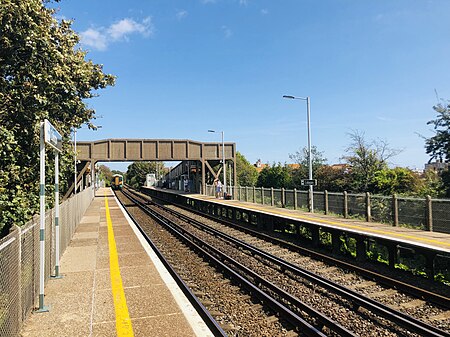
112,284
397,244
432,240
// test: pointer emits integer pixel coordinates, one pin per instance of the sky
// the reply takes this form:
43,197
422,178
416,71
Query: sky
186,66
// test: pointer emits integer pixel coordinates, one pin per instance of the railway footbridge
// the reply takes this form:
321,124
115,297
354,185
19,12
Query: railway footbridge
199,158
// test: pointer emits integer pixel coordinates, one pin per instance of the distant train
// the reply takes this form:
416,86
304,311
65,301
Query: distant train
117,182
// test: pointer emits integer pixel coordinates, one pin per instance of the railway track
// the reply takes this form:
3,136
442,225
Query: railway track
417,288
326,306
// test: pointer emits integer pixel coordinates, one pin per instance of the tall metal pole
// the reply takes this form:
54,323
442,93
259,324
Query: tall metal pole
57,235
224,168
311,191
42,308
75,160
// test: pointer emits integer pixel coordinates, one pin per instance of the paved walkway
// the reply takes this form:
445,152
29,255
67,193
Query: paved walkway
112,285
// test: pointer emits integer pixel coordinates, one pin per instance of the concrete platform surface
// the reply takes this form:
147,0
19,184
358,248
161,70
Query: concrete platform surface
434,240
135,297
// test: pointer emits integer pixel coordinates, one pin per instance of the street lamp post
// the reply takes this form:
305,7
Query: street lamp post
311,191
223,163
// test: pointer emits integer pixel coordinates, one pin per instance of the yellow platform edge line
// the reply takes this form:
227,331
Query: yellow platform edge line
123,321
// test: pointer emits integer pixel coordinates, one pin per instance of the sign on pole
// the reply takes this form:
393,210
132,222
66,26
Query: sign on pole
52,136
48,135
309,182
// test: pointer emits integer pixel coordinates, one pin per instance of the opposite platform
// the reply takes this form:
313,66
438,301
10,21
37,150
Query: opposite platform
433,240
113,284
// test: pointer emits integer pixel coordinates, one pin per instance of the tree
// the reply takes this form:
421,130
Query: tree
105,174
445,176
438,146
276,176
301,158
247,174
365,159
43,74
137,172
396,181
332,179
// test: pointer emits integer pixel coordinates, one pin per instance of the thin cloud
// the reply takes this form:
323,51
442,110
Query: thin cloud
384,119
181,14
227,32
243,2
120,30
101,38
94,38
264,11
208,1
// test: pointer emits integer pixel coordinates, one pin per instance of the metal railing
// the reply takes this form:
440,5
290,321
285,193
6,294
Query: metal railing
419,213
19,260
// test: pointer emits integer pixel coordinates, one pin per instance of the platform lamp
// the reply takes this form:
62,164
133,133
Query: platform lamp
223,163
308,116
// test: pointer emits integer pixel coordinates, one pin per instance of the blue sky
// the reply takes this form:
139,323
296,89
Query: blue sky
184,67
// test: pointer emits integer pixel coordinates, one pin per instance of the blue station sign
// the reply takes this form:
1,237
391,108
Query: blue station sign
51,136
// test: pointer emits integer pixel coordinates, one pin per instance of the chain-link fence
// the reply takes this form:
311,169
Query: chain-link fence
19,260
440,212
413,212
419,213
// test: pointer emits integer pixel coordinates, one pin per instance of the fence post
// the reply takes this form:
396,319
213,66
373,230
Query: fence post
368,208
395,209
262,195
345,205
20,274
325,201
254,195
295,198
283,197
246,193
271,197
429,213
240,193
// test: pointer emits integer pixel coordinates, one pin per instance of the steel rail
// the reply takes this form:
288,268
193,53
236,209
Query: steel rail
428,296
357,299
192,241
210,322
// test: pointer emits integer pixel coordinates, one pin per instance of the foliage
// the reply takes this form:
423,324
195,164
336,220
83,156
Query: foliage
365,159
332,179
301,158
445,178
276,176
395,181
105,174
43,74
15,201
438,146
247,174
137,172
